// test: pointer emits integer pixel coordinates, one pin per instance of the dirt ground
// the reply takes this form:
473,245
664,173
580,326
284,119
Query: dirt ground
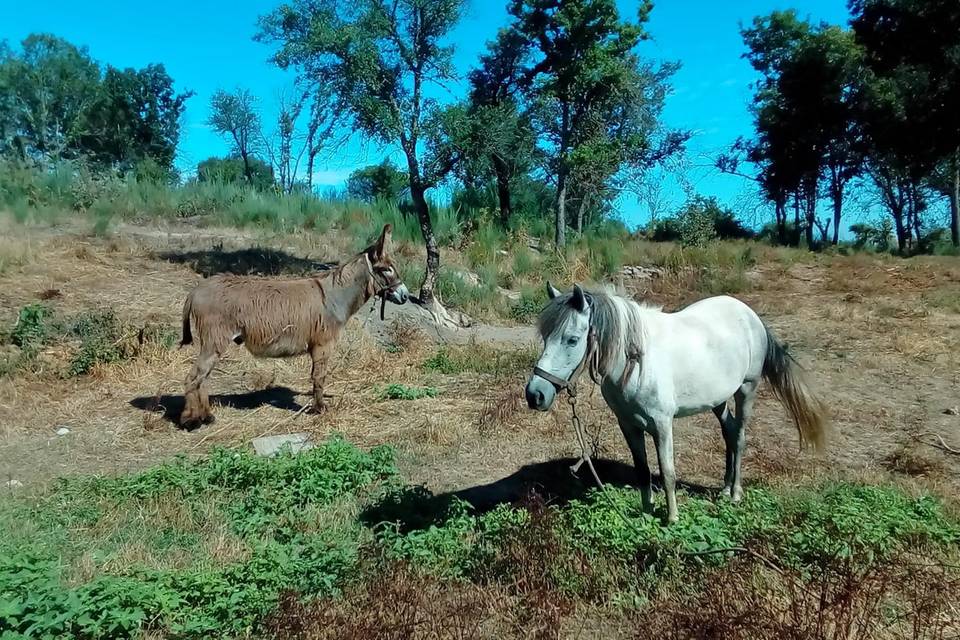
880,339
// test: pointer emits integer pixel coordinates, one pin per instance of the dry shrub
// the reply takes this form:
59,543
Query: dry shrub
906,460
396,603
906,598
403,335
499,411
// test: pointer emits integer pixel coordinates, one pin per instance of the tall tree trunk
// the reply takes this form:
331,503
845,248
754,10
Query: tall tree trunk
247,173
810,203
955,200
837,193
503,189
581,212
560,235
418,196
797,220
780,210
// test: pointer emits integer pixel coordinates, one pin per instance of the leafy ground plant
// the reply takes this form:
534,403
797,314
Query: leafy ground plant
233,545
397,391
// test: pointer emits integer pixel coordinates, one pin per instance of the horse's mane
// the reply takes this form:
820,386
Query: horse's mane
617,323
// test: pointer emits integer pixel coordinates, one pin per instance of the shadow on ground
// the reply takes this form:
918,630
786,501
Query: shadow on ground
172,406
415,507
256,261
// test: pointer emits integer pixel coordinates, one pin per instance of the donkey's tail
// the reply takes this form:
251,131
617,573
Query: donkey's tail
787,379
187,334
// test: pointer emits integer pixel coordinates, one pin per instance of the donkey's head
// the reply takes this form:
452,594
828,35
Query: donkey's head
386,279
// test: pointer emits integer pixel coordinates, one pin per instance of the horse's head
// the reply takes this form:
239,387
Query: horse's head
386,278
565,328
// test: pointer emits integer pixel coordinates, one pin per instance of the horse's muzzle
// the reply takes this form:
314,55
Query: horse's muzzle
539,394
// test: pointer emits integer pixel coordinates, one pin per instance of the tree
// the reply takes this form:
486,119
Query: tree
913,50
231,170
377,58
581,57
234,115
377,181
47,89
806,110
501,142
134,117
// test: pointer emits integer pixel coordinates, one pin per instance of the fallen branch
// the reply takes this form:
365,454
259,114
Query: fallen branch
940,444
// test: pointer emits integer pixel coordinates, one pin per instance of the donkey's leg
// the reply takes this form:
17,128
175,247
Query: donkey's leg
744,397
728,429
635,438
197,407
663,437
321,360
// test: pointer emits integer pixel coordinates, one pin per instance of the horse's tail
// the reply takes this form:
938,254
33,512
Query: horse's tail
787,379
187,308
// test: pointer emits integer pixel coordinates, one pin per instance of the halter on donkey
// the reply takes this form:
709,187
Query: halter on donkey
653,367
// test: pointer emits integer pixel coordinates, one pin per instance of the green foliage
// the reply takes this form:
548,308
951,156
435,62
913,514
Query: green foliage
877,237
301,524
378,181
531,303
101,336
57,105
396,391
231,170
273,507
31,330
478,358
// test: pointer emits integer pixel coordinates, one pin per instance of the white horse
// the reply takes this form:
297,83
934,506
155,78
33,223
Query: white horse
653,367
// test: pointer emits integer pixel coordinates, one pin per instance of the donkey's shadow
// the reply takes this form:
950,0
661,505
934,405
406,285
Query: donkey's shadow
553,482
172,406
256,261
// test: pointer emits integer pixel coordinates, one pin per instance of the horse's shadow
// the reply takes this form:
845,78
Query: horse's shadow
414,507
172,405
259,261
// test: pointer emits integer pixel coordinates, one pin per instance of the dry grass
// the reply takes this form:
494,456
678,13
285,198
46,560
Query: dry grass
863,326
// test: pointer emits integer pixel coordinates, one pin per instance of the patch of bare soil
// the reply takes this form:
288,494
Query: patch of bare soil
885,361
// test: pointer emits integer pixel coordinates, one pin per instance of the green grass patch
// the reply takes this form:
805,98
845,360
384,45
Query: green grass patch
480,358
397,391
208,548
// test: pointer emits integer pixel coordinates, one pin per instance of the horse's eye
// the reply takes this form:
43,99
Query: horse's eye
572,341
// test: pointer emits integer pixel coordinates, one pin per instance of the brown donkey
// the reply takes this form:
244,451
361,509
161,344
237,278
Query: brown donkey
276,318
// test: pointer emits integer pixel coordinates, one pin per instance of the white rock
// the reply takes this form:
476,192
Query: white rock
13,484
62,431
269,446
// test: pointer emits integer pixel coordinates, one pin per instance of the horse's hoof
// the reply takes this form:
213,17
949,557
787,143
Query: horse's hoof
210,419
190,423
317,409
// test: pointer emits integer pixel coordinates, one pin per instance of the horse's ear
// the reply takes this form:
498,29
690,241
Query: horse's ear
579,300
552,291
383,244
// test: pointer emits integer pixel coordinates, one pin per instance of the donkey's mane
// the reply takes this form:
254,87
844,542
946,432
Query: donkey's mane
616,321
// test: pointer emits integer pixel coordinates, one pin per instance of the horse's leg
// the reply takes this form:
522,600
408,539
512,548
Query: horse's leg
744,397
663,437
729,430
635,438
196,409
321,359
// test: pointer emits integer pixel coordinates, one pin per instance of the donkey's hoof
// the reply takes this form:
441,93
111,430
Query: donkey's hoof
317,409
208,419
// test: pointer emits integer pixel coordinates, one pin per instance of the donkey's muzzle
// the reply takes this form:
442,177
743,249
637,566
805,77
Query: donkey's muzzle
398,295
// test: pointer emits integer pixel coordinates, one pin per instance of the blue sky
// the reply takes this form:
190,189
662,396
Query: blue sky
206,45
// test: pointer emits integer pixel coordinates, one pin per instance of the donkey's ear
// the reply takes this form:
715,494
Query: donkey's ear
552,291
580,300
383,244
